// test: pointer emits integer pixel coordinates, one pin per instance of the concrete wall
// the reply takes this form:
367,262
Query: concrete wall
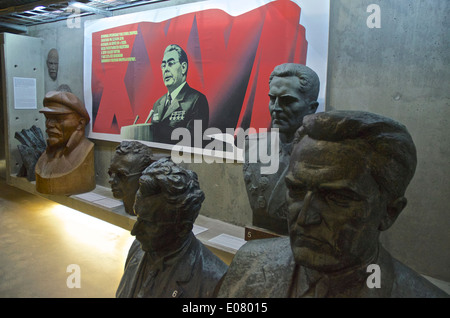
400,70
29,64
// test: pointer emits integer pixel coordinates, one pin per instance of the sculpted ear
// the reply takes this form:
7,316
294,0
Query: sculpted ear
313,106
393,210
81,123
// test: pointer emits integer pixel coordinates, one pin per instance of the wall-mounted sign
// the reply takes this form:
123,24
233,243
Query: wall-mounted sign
24,93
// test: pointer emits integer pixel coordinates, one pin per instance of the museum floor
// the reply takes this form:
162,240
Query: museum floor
39,239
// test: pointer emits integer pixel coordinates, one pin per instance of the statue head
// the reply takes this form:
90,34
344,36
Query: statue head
127,164
64,88
293,92
346,181
52,63
65,119
174,66
167,204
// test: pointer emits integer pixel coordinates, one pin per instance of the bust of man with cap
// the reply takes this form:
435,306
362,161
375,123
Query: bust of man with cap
67,165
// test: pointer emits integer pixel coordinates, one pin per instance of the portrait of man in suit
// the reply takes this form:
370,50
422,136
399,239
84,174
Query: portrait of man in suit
182,104
166,260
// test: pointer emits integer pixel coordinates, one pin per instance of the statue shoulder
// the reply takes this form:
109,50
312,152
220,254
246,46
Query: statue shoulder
410,284
261,268
265,247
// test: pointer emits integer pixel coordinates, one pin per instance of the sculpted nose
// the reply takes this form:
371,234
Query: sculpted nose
309,214
112,178
276,105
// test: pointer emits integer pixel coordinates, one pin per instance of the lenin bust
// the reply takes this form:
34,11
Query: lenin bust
67,165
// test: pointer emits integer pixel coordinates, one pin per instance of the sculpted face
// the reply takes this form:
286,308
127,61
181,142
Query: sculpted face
124,173
334,205
60,127
288,105
173,72
52,64
155,227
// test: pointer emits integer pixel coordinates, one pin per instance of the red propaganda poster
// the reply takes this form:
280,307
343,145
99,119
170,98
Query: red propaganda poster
203,67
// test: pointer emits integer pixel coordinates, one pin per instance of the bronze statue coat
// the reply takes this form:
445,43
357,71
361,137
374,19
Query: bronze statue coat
265,268
192,271
188,105
266,192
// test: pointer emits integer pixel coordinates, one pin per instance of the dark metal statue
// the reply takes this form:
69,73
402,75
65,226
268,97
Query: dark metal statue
293,93
346,183
127,164
166,259
31,148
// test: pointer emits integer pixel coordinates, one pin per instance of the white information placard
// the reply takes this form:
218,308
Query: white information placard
25,93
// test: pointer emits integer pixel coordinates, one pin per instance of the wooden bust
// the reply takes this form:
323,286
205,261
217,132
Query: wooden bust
67,165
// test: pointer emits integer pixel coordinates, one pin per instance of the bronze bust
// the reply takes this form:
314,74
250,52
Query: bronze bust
127,164
293,93
166,259
346,183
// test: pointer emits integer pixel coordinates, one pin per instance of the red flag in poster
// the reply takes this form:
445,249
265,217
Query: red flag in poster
230,61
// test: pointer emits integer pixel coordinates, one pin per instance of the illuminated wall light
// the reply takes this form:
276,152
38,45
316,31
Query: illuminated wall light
92,232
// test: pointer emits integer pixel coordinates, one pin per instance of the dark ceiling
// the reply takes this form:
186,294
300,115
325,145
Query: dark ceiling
17,15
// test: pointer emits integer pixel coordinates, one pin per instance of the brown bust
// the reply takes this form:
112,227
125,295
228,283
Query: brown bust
67,164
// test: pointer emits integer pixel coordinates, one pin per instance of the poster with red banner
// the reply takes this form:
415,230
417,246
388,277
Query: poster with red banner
231,47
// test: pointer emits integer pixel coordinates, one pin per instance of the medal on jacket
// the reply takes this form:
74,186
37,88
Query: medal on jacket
177,116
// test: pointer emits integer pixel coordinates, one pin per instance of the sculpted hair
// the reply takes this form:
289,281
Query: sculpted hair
182,56
134,147
393,156
309,81
179,186
53,53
